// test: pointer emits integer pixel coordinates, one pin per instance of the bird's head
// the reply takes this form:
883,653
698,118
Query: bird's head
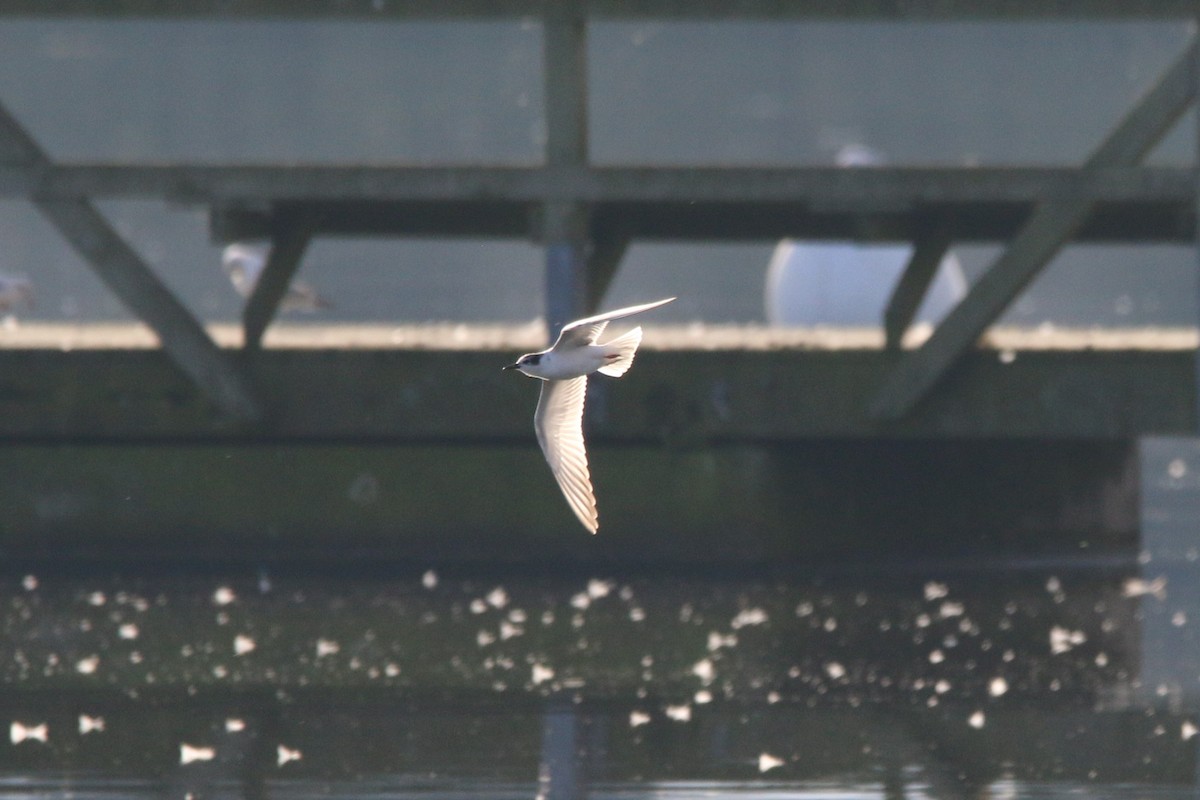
527,363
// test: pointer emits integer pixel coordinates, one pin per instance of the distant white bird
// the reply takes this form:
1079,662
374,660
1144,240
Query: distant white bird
244,263
15,291
558,420
847,283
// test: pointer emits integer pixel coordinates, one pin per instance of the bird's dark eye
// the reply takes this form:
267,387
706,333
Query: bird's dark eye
533,359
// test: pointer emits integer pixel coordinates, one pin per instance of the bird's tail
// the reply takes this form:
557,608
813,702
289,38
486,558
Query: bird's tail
619,353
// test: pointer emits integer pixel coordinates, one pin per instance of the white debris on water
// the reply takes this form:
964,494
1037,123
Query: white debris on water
19,732
541,673
87,666
235,725
680,713
766,761
189,754
1139,587
29,582
835,670
128,631
950,609
223,596
748,616
327,647
97,599
997,686
429,580
1063,640
243,644
1188,730
704,670
976,720
497,598
702,697
597,589
89,724
638,718
285,754
935,591
717,640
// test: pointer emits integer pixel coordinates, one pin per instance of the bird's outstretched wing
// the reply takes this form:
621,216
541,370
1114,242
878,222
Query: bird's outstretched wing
585,331
559,425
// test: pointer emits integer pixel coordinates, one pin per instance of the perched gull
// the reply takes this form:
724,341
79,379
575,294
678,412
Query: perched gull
558,420
15,291
244,263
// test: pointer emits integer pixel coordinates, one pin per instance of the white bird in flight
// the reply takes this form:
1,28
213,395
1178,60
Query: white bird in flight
244,263
558,420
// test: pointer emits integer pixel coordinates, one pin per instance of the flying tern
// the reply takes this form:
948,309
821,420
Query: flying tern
558,420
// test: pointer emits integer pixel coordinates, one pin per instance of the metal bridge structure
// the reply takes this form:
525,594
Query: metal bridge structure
948,389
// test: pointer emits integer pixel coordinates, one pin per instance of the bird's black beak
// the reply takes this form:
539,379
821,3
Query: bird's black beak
509,366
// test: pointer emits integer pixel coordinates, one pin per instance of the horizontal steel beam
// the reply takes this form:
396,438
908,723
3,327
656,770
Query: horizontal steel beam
984,203
681,9
685,397
825,188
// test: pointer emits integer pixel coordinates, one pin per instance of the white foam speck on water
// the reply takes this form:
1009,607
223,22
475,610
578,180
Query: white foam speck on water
749,616
1063,640
717,640
766,761
680,713
597,589
285,754
935,590
88,724
189,754
497,598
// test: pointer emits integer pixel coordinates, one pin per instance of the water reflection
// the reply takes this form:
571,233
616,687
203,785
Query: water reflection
960,684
